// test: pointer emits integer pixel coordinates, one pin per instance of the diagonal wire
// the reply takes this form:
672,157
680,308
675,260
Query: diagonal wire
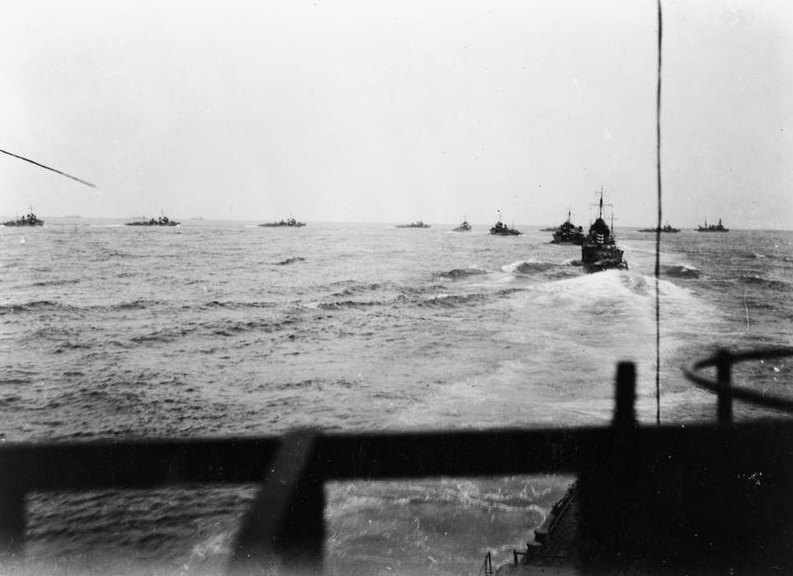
49,168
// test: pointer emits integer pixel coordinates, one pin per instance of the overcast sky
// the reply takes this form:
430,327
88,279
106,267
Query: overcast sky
392,111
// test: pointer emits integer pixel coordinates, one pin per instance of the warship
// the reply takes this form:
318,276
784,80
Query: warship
568,233
501,229
666,228
416,224
599,250
712,227
161,221
28,220
464,227
289,223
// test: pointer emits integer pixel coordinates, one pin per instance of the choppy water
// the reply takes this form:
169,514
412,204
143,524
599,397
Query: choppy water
219,328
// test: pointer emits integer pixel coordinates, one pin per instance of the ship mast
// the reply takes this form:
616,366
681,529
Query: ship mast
600,204
600,208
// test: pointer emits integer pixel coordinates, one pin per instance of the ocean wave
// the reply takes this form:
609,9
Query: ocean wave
72,346
33,306
165,335
452,300
62,282
459,273
229,327
681,271
626,288
233,305
353,287
345,304
765,282
748,255
762,256
421,291
226,328
447,300
754,302
15,381
134,305
529,267
292,260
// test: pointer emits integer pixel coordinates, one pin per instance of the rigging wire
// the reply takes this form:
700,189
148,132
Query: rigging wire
658,229
49,168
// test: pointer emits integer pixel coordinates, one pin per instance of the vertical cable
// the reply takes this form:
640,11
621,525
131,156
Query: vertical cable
658,230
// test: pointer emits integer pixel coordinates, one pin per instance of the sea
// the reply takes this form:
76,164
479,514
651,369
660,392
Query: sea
219,329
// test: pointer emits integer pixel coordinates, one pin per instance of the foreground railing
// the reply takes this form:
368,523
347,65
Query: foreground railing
666,494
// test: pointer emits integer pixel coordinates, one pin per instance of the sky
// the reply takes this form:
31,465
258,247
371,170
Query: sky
359,111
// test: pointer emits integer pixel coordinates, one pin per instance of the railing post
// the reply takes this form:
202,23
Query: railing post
12,510
724,381
283,531
607,480
624,408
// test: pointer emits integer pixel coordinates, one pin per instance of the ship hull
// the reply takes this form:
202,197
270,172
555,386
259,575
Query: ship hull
599,257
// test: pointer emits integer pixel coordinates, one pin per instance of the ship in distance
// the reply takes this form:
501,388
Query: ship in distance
501,229
600,251
161,221
288,223
464,227
665,228
712,227
416,224
29,219
568,233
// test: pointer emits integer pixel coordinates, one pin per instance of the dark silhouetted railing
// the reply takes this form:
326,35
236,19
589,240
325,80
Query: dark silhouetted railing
666,494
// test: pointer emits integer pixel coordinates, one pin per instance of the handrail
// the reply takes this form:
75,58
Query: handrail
656,473
723,361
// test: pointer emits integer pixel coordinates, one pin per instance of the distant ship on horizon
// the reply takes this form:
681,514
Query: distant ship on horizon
568,233
28,220
501,229
464,227
289,223
599,250
712,227
665,228
416,224
161,221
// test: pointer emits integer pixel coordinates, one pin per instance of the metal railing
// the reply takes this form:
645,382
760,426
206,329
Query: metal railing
725,388
635,483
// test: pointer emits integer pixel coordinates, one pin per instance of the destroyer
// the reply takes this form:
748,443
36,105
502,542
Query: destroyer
464,227
27,220
501,229
568,233
290,223
665,228
416,224
161,221
599,250
712,227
